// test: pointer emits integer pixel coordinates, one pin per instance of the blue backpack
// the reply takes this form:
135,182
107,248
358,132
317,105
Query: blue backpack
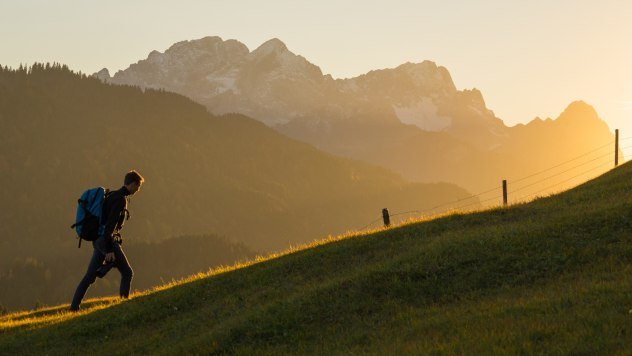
88,220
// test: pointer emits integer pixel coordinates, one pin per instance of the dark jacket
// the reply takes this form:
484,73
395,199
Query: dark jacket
113,216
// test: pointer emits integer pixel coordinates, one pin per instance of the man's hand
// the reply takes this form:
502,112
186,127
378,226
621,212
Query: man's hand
109,257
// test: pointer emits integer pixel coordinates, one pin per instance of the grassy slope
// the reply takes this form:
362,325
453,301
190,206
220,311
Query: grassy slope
551,276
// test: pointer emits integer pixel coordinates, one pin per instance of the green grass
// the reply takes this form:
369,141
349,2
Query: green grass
552,276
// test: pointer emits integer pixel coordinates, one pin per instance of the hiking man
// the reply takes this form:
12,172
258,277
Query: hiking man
107,248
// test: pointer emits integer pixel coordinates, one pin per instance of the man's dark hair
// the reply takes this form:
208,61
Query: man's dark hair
133,177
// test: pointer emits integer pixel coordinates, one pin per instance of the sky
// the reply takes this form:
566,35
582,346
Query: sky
528,58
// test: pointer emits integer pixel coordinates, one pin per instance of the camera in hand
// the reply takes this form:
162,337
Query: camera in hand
104,269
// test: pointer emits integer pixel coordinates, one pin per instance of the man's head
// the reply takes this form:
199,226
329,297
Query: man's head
133,182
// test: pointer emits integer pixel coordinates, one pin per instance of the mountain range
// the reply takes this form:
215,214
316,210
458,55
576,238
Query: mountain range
411,119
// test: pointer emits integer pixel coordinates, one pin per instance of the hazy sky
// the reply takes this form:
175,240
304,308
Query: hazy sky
529,58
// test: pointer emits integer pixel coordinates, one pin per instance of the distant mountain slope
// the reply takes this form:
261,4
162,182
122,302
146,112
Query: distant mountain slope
411,119
61,133
552,276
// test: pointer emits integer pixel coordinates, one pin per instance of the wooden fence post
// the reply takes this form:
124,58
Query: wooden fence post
616,147
386,217
504,192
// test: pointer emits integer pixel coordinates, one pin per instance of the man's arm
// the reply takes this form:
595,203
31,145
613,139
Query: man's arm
113,214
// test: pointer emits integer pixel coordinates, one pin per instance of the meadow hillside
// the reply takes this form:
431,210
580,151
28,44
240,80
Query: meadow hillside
552,276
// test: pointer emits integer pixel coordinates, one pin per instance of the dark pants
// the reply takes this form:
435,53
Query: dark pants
98,256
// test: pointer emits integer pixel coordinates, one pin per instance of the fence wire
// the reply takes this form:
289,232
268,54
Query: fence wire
456,206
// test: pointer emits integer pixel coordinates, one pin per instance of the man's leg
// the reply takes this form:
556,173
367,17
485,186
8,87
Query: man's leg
88,279
123,266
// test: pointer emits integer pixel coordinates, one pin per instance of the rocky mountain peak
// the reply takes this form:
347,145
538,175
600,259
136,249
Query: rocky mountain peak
205,42
194,59
474,97
428,73
273,45
274,60
580,114
212,46
579,109
103,75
